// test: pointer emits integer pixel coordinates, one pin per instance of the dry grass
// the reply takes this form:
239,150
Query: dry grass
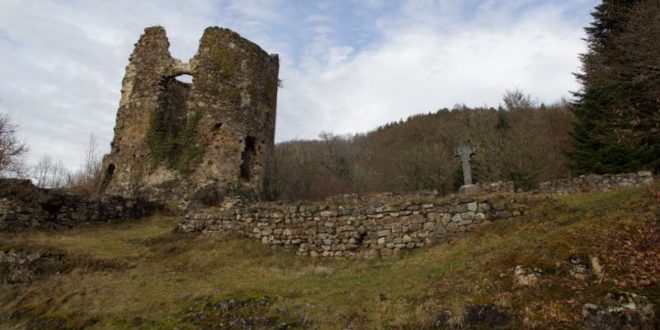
160,275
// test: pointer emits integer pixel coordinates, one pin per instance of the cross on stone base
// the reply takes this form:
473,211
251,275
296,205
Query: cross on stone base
465,151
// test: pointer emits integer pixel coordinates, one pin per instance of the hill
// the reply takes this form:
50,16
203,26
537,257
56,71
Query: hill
526,144
571,251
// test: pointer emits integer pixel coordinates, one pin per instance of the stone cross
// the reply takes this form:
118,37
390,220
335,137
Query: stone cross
465,151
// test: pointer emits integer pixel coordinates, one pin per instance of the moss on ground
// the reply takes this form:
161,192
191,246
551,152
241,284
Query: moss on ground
173,277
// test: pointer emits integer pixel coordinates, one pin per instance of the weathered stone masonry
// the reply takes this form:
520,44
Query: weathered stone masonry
592,182
24,206
381,225
216,135
582,183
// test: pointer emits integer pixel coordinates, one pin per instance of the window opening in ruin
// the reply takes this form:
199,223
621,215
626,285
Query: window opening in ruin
247,158
184,78
108,176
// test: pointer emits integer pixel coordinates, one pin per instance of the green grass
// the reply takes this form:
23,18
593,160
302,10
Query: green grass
162,277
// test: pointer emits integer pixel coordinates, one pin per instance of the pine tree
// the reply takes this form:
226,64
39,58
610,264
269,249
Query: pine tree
609,136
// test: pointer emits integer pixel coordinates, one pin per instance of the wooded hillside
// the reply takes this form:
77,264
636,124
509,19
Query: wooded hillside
524,143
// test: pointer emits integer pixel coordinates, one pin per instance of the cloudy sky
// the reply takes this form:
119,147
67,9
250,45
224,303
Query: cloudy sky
348,66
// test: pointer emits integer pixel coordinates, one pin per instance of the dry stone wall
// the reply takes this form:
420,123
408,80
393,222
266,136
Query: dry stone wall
582,183
384,224
24,206
593,182
491,188
350,226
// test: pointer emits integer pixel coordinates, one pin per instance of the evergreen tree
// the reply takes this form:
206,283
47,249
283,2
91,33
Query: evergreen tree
616,117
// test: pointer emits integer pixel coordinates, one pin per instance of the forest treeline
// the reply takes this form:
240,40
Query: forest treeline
521,141
617,109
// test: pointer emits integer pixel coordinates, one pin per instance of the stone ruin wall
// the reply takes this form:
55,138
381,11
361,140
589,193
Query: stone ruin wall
591,182
25,207
174,139
383,224
582,183
380,226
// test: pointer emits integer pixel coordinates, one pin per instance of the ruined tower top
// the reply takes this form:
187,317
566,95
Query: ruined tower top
176,141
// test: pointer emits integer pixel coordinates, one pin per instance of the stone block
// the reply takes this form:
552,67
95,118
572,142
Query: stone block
417,219
468,215
439,230
428,226
328,214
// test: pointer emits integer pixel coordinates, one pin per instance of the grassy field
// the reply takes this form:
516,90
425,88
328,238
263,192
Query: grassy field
141,275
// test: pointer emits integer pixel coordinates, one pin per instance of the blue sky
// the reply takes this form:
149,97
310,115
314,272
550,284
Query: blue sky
347,65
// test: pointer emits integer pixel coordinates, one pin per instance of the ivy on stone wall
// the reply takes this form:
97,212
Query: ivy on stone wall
177,151
226,58
159,140
191,147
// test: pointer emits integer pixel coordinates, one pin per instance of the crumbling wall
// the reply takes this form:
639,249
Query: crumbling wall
24,206
381,225
582,183
593,182
384,224
215,135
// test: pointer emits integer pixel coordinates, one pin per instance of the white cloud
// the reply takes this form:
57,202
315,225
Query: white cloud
418,68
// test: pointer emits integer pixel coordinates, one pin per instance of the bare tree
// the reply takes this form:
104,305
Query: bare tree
11,149
49,174
517,99
91,159
527,145
88,175
336,159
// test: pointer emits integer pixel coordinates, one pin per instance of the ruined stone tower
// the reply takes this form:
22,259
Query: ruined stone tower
178,141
